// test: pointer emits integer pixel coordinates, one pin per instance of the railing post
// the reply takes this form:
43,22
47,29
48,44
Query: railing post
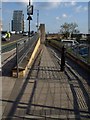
17,59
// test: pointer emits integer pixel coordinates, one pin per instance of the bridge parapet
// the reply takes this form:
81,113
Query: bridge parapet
71,56
26,54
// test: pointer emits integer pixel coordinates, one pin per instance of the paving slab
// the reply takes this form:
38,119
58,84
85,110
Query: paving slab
46,94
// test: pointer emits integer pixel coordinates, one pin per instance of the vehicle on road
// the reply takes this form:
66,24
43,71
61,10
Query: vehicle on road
3,35
69,42
25,34
83,50
12,32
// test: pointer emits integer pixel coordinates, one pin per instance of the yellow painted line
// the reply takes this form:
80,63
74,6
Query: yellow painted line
12,42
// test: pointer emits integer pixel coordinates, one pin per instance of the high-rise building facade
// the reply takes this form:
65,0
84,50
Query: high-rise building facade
18,21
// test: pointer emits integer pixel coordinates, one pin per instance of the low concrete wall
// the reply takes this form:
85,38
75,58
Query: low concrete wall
23,71
79,62
75,59
33,56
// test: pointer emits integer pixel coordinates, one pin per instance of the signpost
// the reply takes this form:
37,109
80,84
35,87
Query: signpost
29,13
29,9
37,20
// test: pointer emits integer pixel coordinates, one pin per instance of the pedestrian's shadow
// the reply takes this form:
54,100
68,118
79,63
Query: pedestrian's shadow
11,113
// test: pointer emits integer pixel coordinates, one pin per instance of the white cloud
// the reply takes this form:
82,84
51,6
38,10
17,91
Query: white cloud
55,4
57,18
81,8
70,4
85,8
73,3
45,0
25,1
55,1
78,9
64,15
46,5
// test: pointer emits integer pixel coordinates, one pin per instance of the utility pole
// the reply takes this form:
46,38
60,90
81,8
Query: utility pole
9,26
37,19
29,21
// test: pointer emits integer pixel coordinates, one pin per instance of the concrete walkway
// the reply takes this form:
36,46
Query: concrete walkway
46,94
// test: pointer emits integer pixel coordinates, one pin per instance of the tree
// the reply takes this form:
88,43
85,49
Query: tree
73,27
69,28
65,29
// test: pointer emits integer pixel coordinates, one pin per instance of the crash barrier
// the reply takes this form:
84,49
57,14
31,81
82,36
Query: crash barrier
25,55
80,62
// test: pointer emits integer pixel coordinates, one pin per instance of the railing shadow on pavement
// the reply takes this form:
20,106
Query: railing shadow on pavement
18,97
31,98
14,106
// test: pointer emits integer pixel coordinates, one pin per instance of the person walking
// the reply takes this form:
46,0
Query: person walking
63,59
8,35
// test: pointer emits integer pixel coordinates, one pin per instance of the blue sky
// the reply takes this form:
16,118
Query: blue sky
52,14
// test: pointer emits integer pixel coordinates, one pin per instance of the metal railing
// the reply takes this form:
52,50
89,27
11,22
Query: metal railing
23,48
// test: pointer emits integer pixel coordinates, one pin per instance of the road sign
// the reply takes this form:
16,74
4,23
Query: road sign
29,9
29,18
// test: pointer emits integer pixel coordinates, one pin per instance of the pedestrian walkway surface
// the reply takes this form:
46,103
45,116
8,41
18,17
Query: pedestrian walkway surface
48,93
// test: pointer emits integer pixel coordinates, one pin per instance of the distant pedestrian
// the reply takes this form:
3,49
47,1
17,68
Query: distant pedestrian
8,35
63,59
